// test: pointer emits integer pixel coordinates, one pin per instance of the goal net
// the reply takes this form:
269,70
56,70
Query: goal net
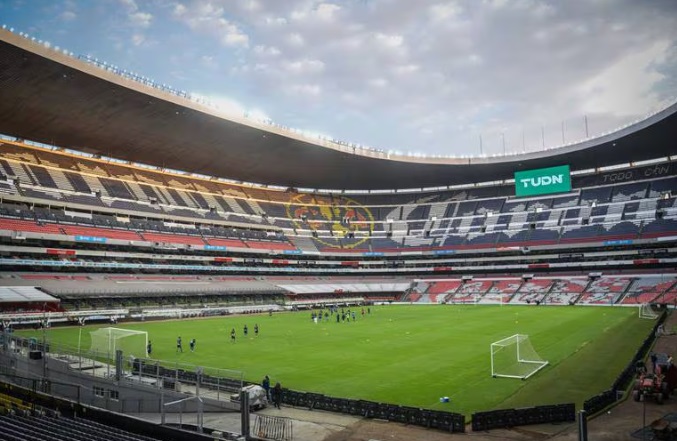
646,311
515,357
106,341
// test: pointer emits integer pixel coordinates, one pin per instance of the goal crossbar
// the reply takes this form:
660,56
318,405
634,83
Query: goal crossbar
108,340
647,312
515,357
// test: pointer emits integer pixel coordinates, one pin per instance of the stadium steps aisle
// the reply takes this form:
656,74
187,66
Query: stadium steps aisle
625,292
547,294
584,292
136,191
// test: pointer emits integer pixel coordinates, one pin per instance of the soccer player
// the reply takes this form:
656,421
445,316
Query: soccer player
232,335
192,345
149,348
256,329
246,330
179,346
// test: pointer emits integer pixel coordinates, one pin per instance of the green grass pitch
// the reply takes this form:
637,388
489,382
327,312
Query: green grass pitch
410,355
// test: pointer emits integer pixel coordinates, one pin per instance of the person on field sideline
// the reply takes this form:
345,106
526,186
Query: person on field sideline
277,394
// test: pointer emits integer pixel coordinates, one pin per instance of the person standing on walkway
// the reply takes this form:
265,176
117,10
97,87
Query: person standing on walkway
265,384
277,394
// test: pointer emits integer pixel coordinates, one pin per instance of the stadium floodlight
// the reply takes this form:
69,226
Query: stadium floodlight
646,311
515,357
105,341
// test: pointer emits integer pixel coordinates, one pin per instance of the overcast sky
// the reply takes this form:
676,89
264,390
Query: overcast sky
405,75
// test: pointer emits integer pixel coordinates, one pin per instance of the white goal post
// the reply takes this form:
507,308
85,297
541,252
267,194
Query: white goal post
646,311
106,341
515,357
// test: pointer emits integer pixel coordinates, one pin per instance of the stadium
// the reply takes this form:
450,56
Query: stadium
440,295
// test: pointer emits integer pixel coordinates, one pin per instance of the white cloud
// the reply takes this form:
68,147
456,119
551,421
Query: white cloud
180,9
378,82
304,67
136,17
141,19
206,17
267,51
444,11
295,39
209,61
68,15
406,69
625,87
327,11
234,37
306,90
138,39
389,41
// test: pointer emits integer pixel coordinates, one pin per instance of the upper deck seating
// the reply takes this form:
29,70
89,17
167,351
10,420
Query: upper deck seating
603,207
579,233
626,192
42,176
40,194
597,195
514,237
466,208
659,227
621,230
565,201
489,206
539,204
658,187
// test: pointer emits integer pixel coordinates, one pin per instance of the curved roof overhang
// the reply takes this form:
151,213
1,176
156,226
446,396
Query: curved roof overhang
55,99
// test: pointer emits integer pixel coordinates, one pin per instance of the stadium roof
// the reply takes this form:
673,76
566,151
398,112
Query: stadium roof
21,294
56,99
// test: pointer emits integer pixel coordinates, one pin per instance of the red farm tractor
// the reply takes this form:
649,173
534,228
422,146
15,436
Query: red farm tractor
650,386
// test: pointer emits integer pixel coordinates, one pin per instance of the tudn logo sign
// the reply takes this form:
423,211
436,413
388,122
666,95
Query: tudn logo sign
543,181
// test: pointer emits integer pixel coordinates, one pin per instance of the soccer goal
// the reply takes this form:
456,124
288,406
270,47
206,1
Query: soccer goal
106,341
646,311
515,357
